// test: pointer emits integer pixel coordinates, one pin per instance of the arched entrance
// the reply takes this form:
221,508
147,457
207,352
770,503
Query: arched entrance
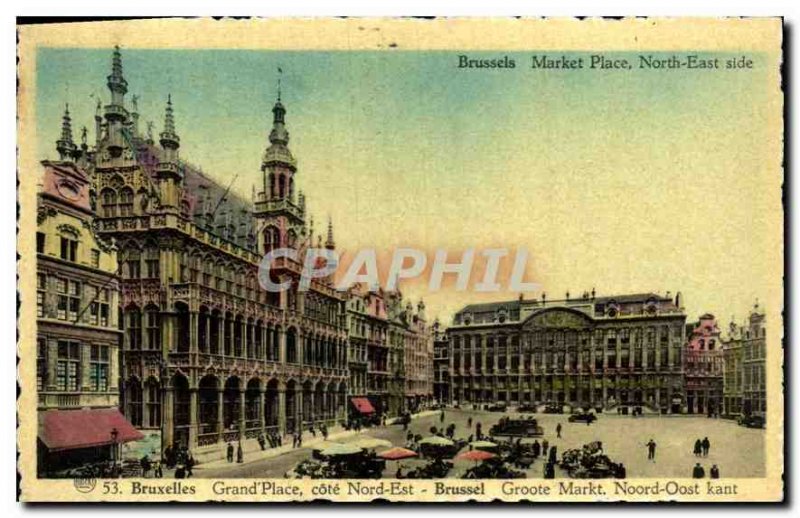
208,422
252,408
271,402
230,406
181,418
291,406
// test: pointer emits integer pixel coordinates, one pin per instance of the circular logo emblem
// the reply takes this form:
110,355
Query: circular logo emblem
85,485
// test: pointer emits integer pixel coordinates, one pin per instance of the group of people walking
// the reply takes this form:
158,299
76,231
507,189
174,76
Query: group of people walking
701,447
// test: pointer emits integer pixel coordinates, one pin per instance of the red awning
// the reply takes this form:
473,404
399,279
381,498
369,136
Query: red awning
363,405
73,429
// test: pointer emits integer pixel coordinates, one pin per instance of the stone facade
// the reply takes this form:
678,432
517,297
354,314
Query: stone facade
77,353
369,347
602,352
441,365
209,356
703,367
745,382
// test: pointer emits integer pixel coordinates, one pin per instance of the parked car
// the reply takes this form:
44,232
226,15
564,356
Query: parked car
527,409
498,407
753,421
583,417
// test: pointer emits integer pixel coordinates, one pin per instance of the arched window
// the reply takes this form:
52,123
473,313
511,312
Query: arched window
108,203
126,201
153,327
271,239
134,331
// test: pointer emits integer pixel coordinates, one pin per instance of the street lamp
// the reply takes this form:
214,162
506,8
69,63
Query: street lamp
114,437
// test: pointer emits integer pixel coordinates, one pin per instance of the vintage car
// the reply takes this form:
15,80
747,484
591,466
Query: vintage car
554,409
497,407
527,409
582,417
753,421
516,428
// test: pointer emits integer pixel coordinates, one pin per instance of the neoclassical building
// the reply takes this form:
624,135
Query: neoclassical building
604,352
209,356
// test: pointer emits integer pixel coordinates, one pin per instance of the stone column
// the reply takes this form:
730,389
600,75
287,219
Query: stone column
220,335
242,414
282,410
262,403
167,426
220,412
193,327
193,418
282,346
207,345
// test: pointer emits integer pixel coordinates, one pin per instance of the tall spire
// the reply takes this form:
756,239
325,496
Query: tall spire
168,167
329,242
116,82
116,115
169,139
65,145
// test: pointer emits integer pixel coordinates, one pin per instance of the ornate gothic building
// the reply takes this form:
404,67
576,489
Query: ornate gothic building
208,355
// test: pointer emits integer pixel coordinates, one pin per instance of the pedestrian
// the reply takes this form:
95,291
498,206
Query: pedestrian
324,430
158,471
441,416
536,449
299,439
189,465
698,471
698,448
553,454
651,450
706,446
714,471
545,445
230,452
239,454
262,442
145,463
469,422
549,471
558,430
311,429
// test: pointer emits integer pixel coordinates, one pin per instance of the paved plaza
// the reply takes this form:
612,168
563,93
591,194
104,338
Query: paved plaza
737,451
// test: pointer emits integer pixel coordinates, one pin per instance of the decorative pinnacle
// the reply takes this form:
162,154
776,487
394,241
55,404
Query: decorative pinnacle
65,145
329,243
66,126
169,139
116,81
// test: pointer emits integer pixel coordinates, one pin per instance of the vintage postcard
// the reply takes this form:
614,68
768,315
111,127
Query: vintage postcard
443,260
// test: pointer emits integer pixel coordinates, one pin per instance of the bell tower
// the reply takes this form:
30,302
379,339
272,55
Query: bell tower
281,217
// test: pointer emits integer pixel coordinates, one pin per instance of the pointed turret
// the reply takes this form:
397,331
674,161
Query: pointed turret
168,169
116,114
169,140
65,145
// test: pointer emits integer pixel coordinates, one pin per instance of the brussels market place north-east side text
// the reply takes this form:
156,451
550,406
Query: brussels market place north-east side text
161,368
